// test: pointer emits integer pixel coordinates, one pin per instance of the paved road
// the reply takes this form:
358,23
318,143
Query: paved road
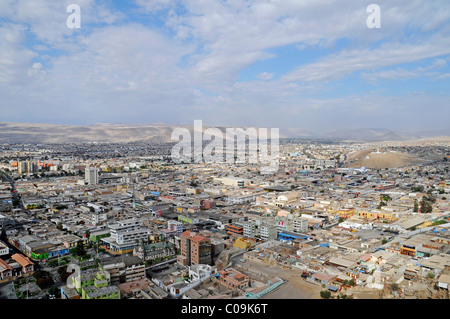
236,259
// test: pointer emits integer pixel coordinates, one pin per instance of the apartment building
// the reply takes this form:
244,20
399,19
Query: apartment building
175,226
124,236
91,175
234,229
95,284
300,225
195,249
257,229
123,268
154,251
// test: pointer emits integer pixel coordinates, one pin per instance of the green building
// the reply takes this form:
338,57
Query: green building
95,284
187,219
96,236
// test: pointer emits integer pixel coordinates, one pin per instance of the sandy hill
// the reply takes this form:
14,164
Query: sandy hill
100,133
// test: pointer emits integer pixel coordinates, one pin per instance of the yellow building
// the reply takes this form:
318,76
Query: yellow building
242,243
368,215
344,213
387,215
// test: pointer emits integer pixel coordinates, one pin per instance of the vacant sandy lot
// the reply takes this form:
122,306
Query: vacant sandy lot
376,160
295,287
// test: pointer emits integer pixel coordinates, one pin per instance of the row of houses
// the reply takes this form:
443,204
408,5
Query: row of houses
16,266
39,249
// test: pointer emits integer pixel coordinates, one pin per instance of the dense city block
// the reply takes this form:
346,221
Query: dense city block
122,221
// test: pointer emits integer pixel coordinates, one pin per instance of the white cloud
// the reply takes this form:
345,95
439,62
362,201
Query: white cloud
188,67
14,57
47,18
265,76
339,65
401,73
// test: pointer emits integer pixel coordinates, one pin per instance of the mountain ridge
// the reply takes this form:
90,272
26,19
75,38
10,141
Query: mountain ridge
161,132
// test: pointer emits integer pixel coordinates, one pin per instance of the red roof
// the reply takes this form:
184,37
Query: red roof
4,265
22,260
199,238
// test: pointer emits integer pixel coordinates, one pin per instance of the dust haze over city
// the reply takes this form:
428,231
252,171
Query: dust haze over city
224,154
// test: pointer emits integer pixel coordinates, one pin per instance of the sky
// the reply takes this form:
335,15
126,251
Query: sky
313,65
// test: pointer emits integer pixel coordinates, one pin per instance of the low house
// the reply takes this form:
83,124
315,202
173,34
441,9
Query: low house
233,279
69,293
435,263
380,257
5,270
341,262
71,241
25,262
323,278
430,248
444,281
411,272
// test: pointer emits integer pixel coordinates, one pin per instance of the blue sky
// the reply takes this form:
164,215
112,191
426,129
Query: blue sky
312,65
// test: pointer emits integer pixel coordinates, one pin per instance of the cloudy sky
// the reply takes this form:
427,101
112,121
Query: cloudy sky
314,65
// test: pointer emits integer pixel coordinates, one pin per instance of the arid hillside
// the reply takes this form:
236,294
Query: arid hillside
375,160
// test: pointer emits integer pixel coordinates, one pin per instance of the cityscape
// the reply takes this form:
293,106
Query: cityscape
238,151
339,219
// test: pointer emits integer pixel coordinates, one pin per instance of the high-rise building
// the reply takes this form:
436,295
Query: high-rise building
195,249
27,167
91,175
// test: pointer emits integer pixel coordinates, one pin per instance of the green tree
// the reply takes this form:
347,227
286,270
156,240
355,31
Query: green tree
325,294
381,204
80,250
44,283
426,204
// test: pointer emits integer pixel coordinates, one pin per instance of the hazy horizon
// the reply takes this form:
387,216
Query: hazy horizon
311,65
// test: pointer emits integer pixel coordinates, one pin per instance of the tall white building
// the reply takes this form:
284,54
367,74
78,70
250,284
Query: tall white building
91,175
125,235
